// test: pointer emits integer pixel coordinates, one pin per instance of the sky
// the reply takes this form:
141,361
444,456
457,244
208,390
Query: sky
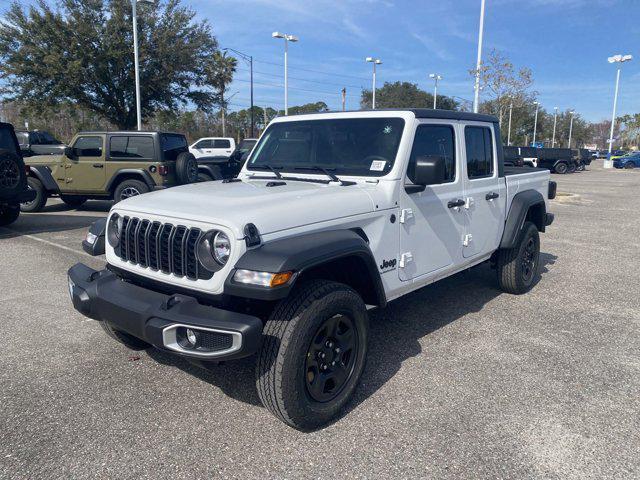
565,42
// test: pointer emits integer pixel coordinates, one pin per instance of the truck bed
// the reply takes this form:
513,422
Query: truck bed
518,179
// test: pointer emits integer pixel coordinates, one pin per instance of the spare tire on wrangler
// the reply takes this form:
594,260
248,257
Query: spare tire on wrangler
186,168
12,174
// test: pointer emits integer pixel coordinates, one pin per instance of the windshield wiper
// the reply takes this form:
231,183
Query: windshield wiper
329,174
271,168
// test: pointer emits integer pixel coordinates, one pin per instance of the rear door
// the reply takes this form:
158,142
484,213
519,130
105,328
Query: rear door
430,228
485,191
85,172
129,152
222,147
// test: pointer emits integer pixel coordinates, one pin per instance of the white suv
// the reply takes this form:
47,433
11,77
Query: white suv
331,214
213,147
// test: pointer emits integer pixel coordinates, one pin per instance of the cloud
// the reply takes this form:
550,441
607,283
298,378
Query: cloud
433,46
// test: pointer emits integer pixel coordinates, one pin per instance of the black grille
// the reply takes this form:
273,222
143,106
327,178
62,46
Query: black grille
213,341
164,247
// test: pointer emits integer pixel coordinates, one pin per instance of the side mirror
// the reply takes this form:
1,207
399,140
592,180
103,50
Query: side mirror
430,170
68,151
93,243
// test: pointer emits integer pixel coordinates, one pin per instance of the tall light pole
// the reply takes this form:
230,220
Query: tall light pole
571,126
555,120
476,95
134,14
535,123
509,131
287,38
435,77
249,59
615,59
375,61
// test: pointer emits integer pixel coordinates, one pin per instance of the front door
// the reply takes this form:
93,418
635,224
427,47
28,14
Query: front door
485,191
85,169
431,226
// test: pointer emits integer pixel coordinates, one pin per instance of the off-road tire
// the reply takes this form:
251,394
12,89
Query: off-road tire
511,274
572,168
127,188
73,201
561,168
127,340
8,213
12,174
203,177
38,203
186,168
281,376
629,165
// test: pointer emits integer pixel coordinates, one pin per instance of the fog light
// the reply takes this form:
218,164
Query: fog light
91,238
192,337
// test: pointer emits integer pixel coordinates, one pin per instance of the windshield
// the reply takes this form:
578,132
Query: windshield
354,146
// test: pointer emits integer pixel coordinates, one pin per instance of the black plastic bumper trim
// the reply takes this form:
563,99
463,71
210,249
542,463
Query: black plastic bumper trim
144,313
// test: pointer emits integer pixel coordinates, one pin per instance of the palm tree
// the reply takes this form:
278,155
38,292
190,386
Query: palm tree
222,75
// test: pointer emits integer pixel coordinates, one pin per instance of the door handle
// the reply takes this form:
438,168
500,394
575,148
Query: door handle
456,203
492,195
98,165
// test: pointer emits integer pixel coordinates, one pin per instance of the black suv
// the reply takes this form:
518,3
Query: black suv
13,179
39,142
217,168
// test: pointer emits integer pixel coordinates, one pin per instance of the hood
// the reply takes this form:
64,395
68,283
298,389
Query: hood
270,208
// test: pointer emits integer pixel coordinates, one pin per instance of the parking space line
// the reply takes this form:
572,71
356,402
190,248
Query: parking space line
49,242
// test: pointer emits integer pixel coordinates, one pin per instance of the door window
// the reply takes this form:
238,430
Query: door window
134,147
204,144
479,146
434,140
88,147
221,143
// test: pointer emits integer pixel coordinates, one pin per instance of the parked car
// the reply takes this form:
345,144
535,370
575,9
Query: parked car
558,160
630,160
512,157
213,147
110,165
582,158
39,142
218,168
13,178
328,216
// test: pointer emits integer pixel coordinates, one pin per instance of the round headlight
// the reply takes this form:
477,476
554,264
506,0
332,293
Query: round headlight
221,248
114,230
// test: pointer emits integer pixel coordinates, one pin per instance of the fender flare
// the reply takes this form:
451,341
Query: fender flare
143,174
43,174
300,254
520,206
212,170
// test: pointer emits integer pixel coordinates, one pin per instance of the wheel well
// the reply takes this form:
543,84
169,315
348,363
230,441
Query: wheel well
352,271
125,176
535,214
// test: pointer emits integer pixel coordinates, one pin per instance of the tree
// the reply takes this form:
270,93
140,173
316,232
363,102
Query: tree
81,53
405,95
316,107
629,126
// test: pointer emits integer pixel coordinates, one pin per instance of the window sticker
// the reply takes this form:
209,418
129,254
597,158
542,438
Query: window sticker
377,165
387,130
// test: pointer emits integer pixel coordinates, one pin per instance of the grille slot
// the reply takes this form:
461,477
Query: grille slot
214,341
165,247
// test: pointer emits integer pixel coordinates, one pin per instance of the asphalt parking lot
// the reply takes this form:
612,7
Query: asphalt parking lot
462,381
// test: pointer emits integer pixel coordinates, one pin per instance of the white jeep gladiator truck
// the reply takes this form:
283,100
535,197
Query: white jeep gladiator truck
332,214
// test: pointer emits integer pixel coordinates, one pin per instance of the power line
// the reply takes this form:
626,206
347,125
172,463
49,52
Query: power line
303,79
313,71
291,88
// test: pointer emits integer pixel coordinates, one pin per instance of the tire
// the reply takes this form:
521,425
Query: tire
127,340
12,174
186,168
514,276
572,168
38,203
561,168
129,188
203,177
73,201
581,167
294,338
629,165
8,213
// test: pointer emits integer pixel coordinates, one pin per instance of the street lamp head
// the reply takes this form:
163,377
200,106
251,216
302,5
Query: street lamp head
291,38
536,103
620,58
555,108
369,59
435,76
378,61
277,35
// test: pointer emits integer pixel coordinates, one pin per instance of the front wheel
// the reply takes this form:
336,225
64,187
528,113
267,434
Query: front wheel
313,352
518,266
8,213
629,165
40,200
561,168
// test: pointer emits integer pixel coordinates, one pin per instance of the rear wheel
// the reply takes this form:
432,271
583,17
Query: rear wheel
124,338
518,266
313,353
40,200
9,213
561,168
74,201
629,165
129,188
572,167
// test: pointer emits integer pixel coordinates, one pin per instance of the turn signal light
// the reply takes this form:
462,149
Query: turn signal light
280,278
163,170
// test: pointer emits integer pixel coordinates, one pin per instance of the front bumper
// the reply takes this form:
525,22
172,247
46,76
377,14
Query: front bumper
154,317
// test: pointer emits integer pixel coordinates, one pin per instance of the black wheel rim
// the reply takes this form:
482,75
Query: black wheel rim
193,171
331,358
9,174
529,260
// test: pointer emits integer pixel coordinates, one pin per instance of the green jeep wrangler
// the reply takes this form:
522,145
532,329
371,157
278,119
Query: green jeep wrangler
110,165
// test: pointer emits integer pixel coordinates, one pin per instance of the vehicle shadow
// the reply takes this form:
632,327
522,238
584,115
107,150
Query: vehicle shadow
395,334
34,223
